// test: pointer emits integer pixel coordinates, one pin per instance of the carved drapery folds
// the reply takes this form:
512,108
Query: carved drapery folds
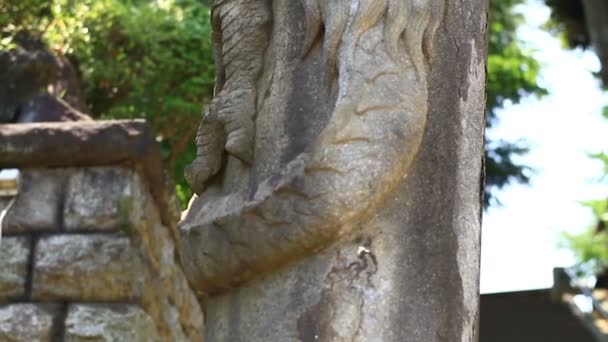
376,55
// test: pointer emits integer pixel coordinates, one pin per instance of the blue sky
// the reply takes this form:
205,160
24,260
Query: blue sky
520,239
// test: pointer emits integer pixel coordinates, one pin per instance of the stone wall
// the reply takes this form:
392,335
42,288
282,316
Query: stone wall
85,257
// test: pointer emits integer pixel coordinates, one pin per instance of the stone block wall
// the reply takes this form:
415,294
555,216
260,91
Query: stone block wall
85,256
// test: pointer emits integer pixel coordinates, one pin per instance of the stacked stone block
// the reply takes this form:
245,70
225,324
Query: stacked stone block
85,257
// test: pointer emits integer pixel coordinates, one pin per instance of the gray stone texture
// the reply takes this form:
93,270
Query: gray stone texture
136,264
14,256
4,202
409,271
38,202
100,235
167,296
86,268
98,199
104,323
27,322
337,178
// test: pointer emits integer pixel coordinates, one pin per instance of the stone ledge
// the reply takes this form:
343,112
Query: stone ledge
90,267
91,143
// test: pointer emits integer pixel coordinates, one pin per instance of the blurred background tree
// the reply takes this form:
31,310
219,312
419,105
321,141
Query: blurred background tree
584,24
153,59
135,58
512,75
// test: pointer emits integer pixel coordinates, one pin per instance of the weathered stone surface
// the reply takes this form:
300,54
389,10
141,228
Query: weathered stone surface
138,264
4,202
102,323
49,108
169,300
14,254
24,71
86,268
377,237
167,296
27,322
98,199
130,257
29,73
38,203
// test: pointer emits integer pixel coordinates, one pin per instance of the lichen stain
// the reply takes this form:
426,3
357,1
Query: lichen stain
343,299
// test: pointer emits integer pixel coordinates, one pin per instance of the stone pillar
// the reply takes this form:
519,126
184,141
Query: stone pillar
395,254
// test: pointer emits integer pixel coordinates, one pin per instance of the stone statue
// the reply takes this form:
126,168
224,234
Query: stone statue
376,56
338,176
240,35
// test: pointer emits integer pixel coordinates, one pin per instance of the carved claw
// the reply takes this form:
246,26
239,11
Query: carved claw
240,142
236,111
210,142
197,174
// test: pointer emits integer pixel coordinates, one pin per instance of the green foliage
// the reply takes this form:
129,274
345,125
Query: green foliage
150,59
16,16
598,207
28,15
183,193
588,246
512,70
512,74
603,158
592,244
500,166
147,59
568,19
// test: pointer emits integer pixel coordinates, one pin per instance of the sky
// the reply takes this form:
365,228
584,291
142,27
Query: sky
520,240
